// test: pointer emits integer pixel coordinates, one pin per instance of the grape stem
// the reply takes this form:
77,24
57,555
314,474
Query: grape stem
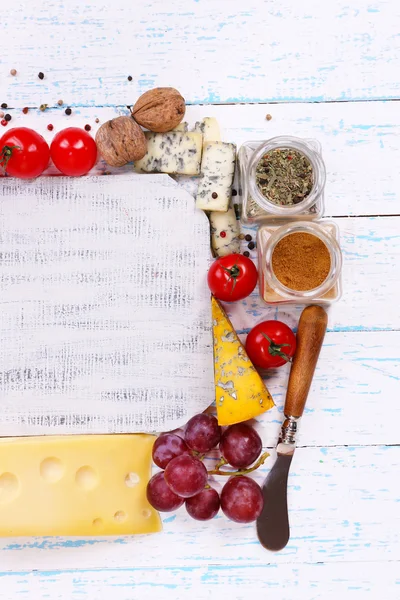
217,470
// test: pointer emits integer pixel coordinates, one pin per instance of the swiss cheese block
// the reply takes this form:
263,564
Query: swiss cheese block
76,485
173,152
217,171
225,233
240,392
209,127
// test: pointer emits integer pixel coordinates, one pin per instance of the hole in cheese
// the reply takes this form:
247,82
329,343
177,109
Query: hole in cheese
9,487
120,516
132,479
86,478
97,523
146,513
52,469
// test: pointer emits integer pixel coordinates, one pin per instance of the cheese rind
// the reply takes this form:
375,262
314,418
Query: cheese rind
240,392
76,485
225,232
217,170
209,127
174,152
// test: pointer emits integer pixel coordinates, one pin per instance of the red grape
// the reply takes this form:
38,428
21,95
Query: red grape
240,445
202,433
167,447
160,496
241,499
186,475
203,506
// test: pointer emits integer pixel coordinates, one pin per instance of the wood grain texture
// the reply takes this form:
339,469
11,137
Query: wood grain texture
356,581
344,487
212,51
310,336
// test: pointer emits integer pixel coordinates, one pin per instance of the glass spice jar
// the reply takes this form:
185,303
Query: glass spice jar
256,207
273,291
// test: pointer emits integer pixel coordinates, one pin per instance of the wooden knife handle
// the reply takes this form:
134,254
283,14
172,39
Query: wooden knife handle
310,335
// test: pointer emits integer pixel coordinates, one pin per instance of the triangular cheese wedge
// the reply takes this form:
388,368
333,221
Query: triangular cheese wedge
240,392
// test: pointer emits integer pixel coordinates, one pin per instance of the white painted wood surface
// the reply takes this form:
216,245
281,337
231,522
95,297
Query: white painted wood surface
344,486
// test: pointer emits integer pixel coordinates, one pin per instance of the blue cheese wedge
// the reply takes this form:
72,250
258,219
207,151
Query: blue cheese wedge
217,170
224,233
184,126
174,152
209,128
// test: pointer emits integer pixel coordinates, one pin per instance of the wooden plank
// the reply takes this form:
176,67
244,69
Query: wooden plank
353,581
353,398
344,506
214,51
360,142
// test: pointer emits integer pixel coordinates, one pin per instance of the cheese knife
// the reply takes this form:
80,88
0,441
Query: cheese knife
273,523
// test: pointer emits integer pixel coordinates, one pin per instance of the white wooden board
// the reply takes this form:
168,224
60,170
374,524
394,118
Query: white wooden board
104,307
345,542
355,580
214,51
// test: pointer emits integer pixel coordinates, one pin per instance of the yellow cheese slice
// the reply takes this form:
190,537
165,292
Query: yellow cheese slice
76,485
239,390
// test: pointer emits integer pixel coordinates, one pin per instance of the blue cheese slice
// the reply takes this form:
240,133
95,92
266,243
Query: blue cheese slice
217,169
174,152
184,126
224,233
209,127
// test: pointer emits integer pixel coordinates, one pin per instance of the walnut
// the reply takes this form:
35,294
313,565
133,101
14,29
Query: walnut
120,141
160,109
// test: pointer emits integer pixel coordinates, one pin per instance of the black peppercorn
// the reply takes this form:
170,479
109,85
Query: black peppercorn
7,117
214,195
68,111
234,192
246,253
251,246
129,77
41,75
248,238
4,105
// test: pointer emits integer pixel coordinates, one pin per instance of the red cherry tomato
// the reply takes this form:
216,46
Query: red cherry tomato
270,344
24,153
232,277
73,151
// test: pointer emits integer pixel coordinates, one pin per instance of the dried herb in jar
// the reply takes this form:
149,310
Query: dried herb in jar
284,176
301,261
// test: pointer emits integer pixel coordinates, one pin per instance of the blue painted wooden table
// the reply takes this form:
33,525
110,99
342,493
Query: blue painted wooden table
324,70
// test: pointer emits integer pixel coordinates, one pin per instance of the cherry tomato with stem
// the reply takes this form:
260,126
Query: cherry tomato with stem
270,344
232,277
24,153
73,151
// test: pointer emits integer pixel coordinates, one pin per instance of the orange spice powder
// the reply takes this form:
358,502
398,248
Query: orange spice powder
301,261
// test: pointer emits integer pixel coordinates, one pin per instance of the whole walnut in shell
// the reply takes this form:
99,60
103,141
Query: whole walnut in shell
120,141
160,109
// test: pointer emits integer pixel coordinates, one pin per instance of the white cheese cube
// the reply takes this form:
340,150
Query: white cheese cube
209,127
217,169
225,233
173,152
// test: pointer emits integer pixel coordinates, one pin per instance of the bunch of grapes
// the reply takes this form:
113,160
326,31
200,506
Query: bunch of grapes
185,479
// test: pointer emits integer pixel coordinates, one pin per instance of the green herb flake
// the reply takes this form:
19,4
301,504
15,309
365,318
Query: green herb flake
284,176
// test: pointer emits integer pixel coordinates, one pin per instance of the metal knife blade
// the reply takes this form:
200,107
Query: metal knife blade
273,523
